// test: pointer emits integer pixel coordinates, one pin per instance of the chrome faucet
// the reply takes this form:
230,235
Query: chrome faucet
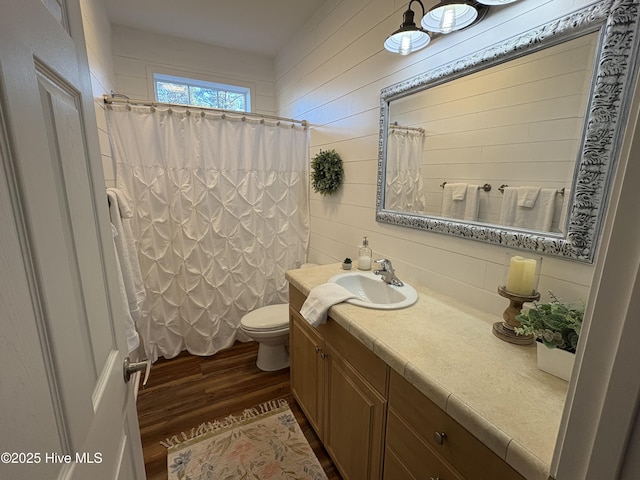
387,273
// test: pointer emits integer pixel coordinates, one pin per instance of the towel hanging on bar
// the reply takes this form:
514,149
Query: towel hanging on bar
466,209
539,217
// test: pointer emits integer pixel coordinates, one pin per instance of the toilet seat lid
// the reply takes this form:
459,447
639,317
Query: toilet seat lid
267,318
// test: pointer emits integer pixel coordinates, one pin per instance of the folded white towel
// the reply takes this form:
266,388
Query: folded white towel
321,299
121,214
509,206
537,218
458,190
466,209
527,196
131,334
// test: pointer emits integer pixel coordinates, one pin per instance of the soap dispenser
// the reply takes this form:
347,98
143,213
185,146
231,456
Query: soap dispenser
364,255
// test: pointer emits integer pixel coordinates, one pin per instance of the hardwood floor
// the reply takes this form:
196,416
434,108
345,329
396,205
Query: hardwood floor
188,390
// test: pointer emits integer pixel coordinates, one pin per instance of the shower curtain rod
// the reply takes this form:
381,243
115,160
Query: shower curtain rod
395,125
123,99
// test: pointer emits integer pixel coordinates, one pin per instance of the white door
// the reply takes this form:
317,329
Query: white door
65,410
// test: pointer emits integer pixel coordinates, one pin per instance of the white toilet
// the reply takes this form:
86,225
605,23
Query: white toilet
269,326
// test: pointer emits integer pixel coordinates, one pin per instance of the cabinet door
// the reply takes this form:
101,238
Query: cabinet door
305,348
354,420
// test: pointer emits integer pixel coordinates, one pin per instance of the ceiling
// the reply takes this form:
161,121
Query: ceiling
258,26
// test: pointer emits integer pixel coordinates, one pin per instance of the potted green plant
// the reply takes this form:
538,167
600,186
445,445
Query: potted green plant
346,264
327,172
556,327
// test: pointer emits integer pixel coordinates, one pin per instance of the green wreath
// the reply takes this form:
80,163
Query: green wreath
327,172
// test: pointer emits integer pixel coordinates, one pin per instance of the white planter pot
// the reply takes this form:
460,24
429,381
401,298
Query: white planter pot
555,361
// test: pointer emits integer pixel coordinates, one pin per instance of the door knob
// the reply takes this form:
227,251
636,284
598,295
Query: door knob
129,368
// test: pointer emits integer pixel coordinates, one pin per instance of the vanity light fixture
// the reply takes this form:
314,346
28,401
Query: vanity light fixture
450,15
409,37
445,17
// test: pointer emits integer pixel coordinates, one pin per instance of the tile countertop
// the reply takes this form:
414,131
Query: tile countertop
447,350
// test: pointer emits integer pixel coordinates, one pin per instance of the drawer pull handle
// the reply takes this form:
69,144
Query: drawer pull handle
439,437
318,349
323,355
435,478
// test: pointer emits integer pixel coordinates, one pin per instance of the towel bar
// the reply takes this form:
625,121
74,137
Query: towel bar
501,188
486,187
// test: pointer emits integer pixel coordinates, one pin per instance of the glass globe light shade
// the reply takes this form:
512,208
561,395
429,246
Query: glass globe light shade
405,42
449,16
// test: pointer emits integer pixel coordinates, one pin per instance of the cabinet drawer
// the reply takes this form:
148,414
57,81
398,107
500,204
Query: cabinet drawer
407,453
470,457
394,469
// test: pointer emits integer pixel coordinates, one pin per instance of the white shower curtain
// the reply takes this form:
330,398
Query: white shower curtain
221,212
404,190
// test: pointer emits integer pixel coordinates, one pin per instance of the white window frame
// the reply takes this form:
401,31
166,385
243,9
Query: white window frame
199,80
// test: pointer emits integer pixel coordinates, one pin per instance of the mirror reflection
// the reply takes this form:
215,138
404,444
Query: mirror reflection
498,146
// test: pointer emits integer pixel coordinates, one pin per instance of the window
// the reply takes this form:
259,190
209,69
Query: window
189,91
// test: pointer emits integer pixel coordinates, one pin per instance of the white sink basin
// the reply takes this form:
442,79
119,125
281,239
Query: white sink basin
373,292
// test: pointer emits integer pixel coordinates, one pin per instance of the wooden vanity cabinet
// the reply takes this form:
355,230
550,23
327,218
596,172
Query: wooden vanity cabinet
367,415
424,442
341,387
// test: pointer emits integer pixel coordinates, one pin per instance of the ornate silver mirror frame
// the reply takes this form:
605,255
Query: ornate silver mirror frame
607,112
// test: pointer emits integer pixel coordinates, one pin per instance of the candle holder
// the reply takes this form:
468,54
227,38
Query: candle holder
506,330
521,276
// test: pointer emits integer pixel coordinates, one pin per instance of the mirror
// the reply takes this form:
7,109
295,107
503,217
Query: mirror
515,144
518,124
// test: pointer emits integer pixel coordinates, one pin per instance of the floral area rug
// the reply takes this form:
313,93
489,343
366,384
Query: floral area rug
263,443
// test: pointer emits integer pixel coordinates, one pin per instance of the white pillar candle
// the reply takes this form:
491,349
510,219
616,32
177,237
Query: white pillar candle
521,278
